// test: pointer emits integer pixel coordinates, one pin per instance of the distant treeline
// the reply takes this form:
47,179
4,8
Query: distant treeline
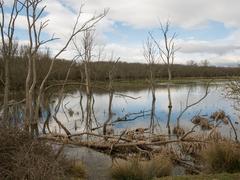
99,71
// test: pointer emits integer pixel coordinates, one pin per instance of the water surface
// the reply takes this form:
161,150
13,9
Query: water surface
70,113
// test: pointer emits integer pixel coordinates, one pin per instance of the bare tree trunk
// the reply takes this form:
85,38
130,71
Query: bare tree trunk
111,91
34,12
152,118
87,79
169,100
150,55
168,87
7,30
110,102
109,113
46,122
110,88
169,119
6,92
27,103
88,119
167,53
81,105
34,126
169,97
152,84
81,95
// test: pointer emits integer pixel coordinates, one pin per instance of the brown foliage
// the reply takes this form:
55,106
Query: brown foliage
178,131
220,116
222,157
124,71
202,122
22,157
135,169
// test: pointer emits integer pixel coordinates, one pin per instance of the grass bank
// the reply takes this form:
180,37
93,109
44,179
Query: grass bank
222,176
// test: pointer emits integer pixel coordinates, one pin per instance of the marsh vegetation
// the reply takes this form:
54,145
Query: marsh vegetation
151,128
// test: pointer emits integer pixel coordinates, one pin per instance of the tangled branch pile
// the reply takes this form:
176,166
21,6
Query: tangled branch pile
22,157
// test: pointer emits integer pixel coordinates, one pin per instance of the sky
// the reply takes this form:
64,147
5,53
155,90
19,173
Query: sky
206,29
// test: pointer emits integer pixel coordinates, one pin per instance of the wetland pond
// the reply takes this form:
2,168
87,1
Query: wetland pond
136,113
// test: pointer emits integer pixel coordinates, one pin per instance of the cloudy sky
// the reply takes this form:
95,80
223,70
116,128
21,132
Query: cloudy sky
206,29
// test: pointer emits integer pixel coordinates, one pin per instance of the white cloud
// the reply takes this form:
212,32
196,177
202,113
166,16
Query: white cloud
185,13
145,14
219,47
127,53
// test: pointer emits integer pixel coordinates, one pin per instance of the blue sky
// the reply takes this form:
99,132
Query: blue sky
212,31
205,29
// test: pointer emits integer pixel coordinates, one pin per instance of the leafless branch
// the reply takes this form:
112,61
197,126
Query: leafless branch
194,103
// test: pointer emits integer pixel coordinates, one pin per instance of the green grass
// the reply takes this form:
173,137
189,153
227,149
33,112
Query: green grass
144,82
222,176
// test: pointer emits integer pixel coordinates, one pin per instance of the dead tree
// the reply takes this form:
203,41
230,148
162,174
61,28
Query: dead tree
150,53
167,55
177,129
233,92
85,53
34,12
88,48
61,98
8,47
81,89
187,105
111,73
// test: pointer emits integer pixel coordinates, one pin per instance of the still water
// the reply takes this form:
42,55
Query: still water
139,109
139,116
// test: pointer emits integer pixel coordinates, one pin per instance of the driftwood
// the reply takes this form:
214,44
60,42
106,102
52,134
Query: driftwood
234,130
125,118
128,142
142,143
97,135
140,140
119,144
108,146
62,126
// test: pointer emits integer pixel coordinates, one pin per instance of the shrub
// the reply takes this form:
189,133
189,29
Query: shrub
22,157
161,166
221,157
128,171
75,169
137,170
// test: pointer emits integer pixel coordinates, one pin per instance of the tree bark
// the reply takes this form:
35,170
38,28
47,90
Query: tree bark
6,92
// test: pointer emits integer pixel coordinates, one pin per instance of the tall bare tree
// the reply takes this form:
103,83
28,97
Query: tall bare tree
34,12
167,51
150,55
85,52
88,43
8,28
111,74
